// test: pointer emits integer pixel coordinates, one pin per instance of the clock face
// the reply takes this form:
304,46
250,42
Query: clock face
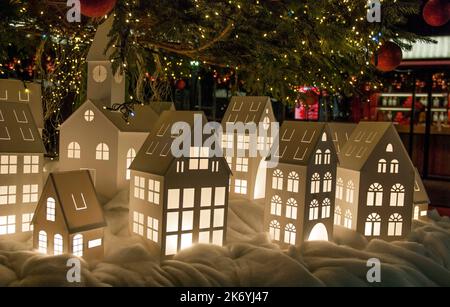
118,77
99,73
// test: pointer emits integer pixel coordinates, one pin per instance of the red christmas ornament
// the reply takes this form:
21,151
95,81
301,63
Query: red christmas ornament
436,13
96,8
181,84
389,56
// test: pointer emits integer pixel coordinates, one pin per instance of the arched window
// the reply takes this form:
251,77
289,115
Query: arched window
318,157
274,230
77,245
373,225
339,188
73,150
51,209
102,152
337,215
293,179
131,154
315,183
275,205
416,212
42,242
350,192
382,166
397,195
58,244
277,180
375,195
327,157
291,208
348,219
327,180
324,137
289,234
314,210
88,115
326,208
395,225
394,166
389,148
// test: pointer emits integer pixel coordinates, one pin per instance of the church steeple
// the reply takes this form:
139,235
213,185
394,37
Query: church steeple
103,87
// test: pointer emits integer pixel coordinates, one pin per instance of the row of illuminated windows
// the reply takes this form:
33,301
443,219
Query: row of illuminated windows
153,189
322,157
240,186
243,142
289,232
8,223
291,208
184,220
151,228
179,241
383,165
8,164
241,164
8,194
101,151
350,191
175,200
58,244
293,182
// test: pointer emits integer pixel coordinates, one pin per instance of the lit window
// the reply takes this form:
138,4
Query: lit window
131,154
219,217
215,166
42,242
327,182
292,183
327,157
173,198
180,166
31,164
58,244
94,243
139,187
264,142
348,219
275,205
152,229
289,234
30,193
373,225
205,219
397,195
274,230
8,164
382,166
349,195
198,158
277,180
51,209
188,198
242,165
138,223
416,212
186,240
88,115
153,191
395,225
326,208
227,141
314,210
217,237
339,188
102,152
291,209
205,198
375,195
77,245
26,222
337,215
230,162
240,186
7,194
315,183
219,197
7,224
394,166
389,148
73,150
318,157
243,141
172,221
171,244
324,137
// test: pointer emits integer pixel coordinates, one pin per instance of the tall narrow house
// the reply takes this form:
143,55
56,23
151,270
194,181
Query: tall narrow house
300,193
178,201
21,160
249,172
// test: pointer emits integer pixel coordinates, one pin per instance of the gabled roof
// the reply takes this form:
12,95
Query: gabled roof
420,193
363,141
298,140
97,51
18,131
155,155
76,195
340,133
245,109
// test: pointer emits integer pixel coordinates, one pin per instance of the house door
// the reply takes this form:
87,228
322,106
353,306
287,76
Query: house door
92,172
260,182
318,233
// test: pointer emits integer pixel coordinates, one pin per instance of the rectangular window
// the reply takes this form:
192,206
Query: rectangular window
218,217
138,223
186,240
219,197
26,222
172,221
240,186
180,166
217,237
94,243
198,158
243,141
188,198
227,141
31,164
205,218
173,198
215,166
7,194
152,229
139,187
187,220
153,191
30,193
7,224
203,237
171,244
242,165
206,197
8,164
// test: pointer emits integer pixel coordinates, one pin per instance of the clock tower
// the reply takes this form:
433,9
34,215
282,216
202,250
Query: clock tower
103,87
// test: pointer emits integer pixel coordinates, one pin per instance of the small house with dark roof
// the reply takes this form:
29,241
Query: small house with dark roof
300,191
21,168
249,173
176,202
69,217
376,180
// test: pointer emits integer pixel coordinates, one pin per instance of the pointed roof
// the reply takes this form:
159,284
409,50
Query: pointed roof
340,133
76,195
420,193
18,131
97,51
245,109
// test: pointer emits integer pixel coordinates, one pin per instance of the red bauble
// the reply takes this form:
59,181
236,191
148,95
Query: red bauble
389,56
181,84
436,12
96,8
